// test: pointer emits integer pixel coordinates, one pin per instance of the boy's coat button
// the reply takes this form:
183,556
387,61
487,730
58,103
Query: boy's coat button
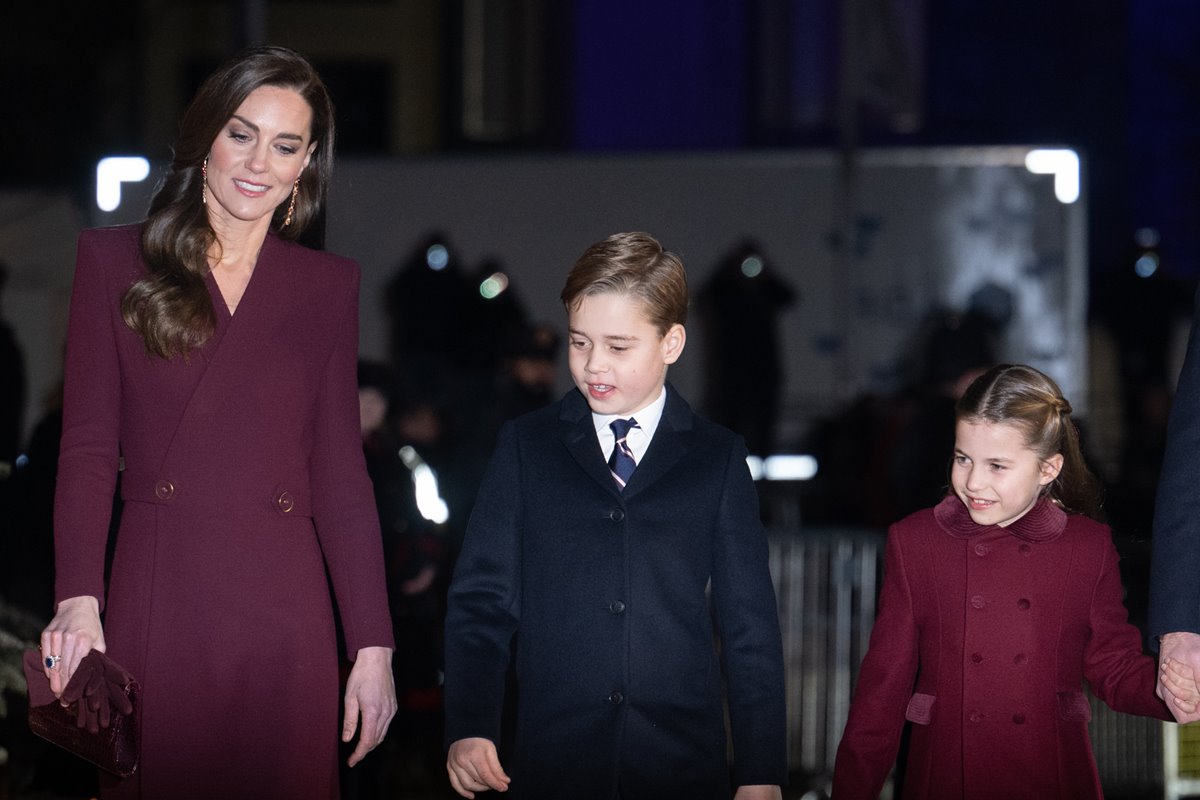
616,515
616,698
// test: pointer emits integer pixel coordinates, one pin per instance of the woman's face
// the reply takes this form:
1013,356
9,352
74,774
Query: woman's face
257,156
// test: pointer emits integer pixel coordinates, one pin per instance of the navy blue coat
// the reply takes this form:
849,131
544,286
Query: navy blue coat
1175,564
612,597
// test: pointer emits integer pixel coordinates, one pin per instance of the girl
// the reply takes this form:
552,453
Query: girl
996,604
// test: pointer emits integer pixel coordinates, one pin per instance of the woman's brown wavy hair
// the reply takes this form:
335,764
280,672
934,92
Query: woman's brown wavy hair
171,308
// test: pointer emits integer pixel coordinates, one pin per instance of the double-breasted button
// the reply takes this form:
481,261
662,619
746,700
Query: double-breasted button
616,607
164,490
1023,604
1020,658
982,549
616,698
1019,719
616,515
285,502
975,716
977,657
1025,549
978,602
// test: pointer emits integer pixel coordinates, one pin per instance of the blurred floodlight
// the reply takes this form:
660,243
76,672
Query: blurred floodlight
493,285
1146,266
425,487
752,266
1146,237
1063,165
111,172
437,257
755,463
782,467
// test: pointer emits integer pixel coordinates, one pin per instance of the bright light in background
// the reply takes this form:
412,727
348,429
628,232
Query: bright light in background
493,285
1063,165
782,468
437,257
1146,266
425,487
752,266
112,172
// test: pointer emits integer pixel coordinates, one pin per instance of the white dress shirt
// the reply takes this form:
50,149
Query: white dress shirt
639,437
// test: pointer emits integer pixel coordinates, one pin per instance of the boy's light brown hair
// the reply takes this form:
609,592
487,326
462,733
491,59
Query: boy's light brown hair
634,264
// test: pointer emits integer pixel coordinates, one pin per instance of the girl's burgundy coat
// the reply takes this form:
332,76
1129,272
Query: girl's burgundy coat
983,640
243,479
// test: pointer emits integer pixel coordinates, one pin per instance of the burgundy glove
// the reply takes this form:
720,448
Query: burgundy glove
98,686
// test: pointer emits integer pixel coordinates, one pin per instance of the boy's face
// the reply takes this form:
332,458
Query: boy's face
616,355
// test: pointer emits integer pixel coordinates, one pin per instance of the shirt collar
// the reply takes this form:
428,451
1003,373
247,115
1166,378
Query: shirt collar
647,417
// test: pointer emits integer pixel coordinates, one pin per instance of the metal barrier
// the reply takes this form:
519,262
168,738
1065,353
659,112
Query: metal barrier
826,582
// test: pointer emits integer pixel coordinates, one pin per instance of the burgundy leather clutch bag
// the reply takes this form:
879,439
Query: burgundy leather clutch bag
100,721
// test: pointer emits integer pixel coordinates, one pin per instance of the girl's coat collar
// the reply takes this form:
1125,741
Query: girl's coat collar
1045,522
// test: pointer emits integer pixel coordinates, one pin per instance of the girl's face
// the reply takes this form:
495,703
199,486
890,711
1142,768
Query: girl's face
995,474
258,155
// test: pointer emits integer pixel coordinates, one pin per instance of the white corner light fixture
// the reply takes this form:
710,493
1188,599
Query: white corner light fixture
1063,164
111,172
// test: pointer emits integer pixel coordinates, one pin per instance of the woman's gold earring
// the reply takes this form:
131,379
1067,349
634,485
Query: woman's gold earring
204,181
287,220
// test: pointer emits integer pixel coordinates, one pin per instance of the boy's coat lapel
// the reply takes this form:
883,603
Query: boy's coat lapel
579,436
669,445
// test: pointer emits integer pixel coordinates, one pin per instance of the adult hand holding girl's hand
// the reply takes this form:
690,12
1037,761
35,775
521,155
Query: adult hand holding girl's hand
1179,664
71,635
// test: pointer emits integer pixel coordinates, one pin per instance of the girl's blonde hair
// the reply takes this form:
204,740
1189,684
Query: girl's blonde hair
1019,395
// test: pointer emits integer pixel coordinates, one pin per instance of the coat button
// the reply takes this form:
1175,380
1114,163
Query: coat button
164,490
1019,719
285,502
1025,549
982,549
1019,659
975,716
616,607
616,515
1023,604
977,601
977,657
616,698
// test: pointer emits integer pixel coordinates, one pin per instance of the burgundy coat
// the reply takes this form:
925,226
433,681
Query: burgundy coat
983,640
243,480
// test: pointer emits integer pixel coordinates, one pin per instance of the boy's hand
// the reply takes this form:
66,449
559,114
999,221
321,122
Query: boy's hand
758,792
1179,680
474,766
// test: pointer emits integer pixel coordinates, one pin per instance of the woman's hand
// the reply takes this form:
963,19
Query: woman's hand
71,635
371,693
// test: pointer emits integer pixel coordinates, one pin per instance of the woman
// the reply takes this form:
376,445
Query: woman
214,360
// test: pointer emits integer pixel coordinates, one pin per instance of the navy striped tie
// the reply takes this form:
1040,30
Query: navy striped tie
621,463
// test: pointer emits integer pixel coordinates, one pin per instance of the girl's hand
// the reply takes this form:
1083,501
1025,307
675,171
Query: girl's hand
71,635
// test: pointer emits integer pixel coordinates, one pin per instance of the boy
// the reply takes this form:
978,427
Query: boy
604,575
